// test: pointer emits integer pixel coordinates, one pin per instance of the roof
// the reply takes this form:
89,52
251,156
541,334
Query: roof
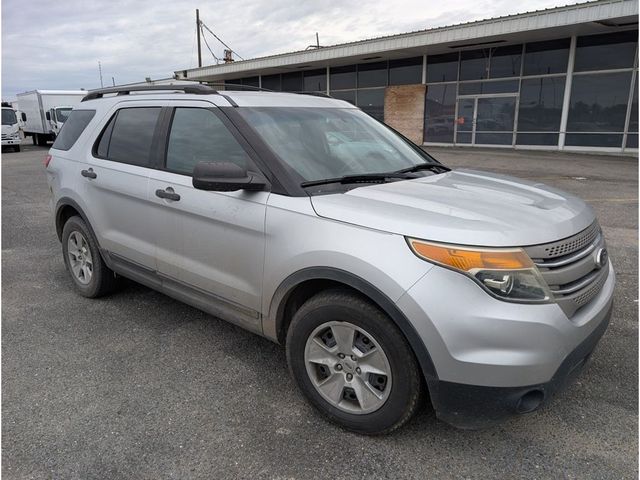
421,40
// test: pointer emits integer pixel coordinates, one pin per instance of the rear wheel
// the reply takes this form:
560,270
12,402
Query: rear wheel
352,363
84,263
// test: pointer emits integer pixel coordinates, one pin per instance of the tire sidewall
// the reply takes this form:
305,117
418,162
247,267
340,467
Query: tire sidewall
76,224
405,383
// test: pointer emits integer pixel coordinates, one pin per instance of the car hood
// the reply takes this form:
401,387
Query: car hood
465,207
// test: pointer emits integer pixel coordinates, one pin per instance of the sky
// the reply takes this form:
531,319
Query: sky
57,45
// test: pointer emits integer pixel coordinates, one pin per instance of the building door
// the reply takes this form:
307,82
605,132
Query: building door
486,120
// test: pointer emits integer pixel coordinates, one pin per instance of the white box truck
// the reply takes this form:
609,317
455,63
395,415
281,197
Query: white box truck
10,127
46,112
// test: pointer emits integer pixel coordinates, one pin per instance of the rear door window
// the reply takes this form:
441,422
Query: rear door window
73,128
128,138
198,135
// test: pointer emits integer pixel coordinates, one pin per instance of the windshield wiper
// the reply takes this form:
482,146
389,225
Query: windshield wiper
436,167
362,178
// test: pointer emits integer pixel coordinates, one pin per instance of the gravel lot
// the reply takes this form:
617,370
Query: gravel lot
140,386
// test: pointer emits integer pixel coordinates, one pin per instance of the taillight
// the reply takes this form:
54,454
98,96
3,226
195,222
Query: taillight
47,159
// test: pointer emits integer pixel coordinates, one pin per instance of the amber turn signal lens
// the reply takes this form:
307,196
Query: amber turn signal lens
472,259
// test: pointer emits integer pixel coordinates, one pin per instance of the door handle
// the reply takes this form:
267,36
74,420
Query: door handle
89,173
169,194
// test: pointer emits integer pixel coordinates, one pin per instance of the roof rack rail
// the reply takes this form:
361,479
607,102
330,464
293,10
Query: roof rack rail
197,89
248,87
315,94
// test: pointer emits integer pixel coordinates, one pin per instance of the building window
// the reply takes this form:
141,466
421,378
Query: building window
439,113
506,61
543,58
480,88
442,68
372,102
606,52
474,64
632,136
540,106
292,82
343,77
372,75
406,71
272,82
315,80
599,102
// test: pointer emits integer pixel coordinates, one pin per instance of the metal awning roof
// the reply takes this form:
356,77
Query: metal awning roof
590,17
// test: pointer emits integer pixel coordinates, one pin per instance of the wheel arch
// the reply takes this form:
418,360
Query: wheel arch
300,286
66,208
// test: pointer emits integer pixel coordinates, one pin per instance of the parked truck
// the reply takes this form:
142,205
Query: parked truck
10,128
46,112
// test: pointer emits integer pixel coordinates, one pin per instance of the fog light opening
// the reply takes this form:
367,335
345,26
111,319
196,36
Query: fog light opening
530,401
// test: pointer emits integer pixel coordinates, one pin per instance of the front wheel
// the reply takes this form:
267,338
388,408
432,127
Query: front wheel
352,363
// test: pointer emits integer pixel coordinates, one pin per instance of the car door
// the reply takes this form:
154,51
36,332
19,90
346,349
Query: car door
116,180
210,242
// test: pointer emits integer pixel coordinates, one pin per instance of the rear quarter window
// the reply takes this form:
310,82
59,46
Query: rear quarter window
73,128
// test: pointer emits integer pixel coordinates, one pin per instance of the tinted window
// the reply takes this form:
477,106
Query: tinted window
506,61
315,81
292,82
439,113
348,95
272,82
198,135
372,102
251,81
372,75
495,114
73,128
442,68
633,119
474,88
103,146
602,52
132,135
537,139
406,71
599,102
594,140
541,104
474,65
546,57
632,140
343,77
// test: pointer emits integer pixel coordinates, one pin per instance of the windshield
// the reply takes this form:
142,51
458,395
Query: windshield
62,114
320,143
8,117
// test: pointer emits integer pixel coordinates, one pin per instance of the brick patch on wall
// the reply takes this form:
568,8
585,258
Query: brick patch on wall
404,110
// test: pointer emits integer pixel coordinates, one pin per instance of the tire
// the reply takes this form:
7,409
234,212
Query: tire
34,138
341,310
16,148
96,280
42,140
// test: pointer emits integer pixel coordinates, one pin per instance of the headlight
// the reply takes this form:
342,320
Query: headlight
507,273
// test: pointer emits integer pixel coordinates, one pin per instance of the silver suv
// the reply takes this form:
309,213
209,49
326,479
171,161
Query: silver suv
387,275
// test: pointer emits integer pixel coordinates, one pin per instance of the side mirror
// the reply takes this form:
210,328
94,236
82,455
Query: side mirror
47,116
226,177
23,116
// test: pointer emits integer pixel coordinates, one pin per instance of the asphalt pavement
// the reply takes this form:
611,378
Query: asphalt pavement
138,385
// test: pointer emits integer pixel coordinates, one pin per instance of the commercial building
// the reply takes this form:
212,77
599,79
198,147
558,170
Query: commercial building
563,78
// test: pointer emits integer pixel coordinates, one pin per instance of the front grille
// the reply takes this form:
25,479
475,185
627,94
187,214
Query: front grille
570,267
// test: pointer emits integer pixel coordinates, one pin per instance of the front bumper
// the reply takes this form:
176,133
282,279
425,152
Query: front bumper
488,354
10,142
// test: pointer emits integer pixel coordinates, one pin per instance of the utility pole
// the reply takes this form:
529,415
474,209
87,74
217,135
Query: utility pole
113,80
100,70
198,31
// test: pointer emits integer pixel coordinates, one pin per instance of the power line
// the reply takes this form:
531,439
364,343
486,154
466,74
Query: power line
209,48
219,39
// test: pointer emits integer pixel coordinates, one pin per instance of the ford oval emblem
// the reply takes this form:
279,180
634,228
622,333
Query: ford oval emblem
602,257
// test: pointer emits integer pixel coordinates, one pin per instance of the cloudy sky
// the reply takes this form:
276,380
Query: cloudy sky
57,44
